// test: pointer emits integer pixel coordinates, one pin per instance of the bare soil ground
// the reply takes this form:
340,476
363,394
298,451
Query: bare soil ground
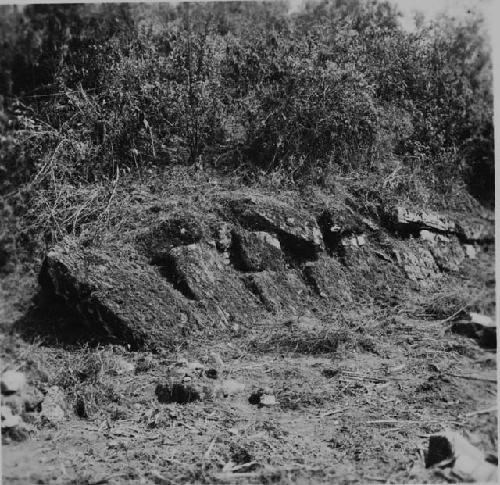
362,413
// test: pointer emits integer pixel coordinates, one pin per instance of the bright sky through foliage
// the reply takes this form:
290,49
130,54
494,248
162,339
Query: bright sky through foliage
431,8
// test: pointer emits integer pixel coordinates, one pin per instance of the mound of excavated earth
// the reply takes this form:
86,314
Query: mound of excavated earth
257,256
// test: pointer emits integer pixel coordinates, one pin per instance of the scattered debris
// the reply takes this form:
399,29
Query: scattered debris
223,237
231,467
263,398
354,241
17,402
452,452
185,371
196,368
12,382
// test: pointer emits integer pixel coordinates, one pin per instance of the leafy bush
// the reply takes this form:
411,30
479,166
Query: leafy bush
340,87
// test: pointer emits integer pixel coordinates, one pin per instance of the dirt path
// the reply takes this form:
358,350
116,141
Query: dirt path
362,414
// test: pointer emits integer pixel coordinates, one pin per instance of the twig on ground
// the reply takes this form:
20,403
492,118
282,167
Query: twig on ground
473,378
451,317
492,409
159,478
106,479
206,456
393,421
331,411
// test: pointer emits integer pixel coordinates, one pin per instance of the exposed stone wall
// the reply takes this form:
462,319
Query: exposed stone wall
258,256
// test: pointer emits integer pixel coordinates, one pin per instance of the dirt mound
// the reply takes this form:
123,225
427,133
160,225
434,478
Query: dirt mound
251,256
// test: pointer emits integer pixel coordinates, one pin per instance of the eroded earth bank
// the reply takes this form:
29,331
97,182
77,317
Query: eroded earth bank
242,336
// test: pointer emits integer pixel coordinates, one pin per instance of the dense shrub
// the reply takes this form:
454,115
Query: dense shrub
339,86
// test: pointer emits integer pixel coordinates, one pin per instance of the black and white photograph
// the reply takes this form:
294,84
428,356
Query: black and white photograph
248,242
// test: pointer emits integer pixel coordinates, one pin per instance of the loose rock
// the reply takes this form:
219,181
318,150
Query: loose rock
466,462
176,230
341,225
12,382
9,420
14,402
448,253
470,251
53,406
223,237
309,324
268,400
297,228
211,373
13,427
123,367
476,230
263,397
32,400
229,387
406,220
217,361
479,327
